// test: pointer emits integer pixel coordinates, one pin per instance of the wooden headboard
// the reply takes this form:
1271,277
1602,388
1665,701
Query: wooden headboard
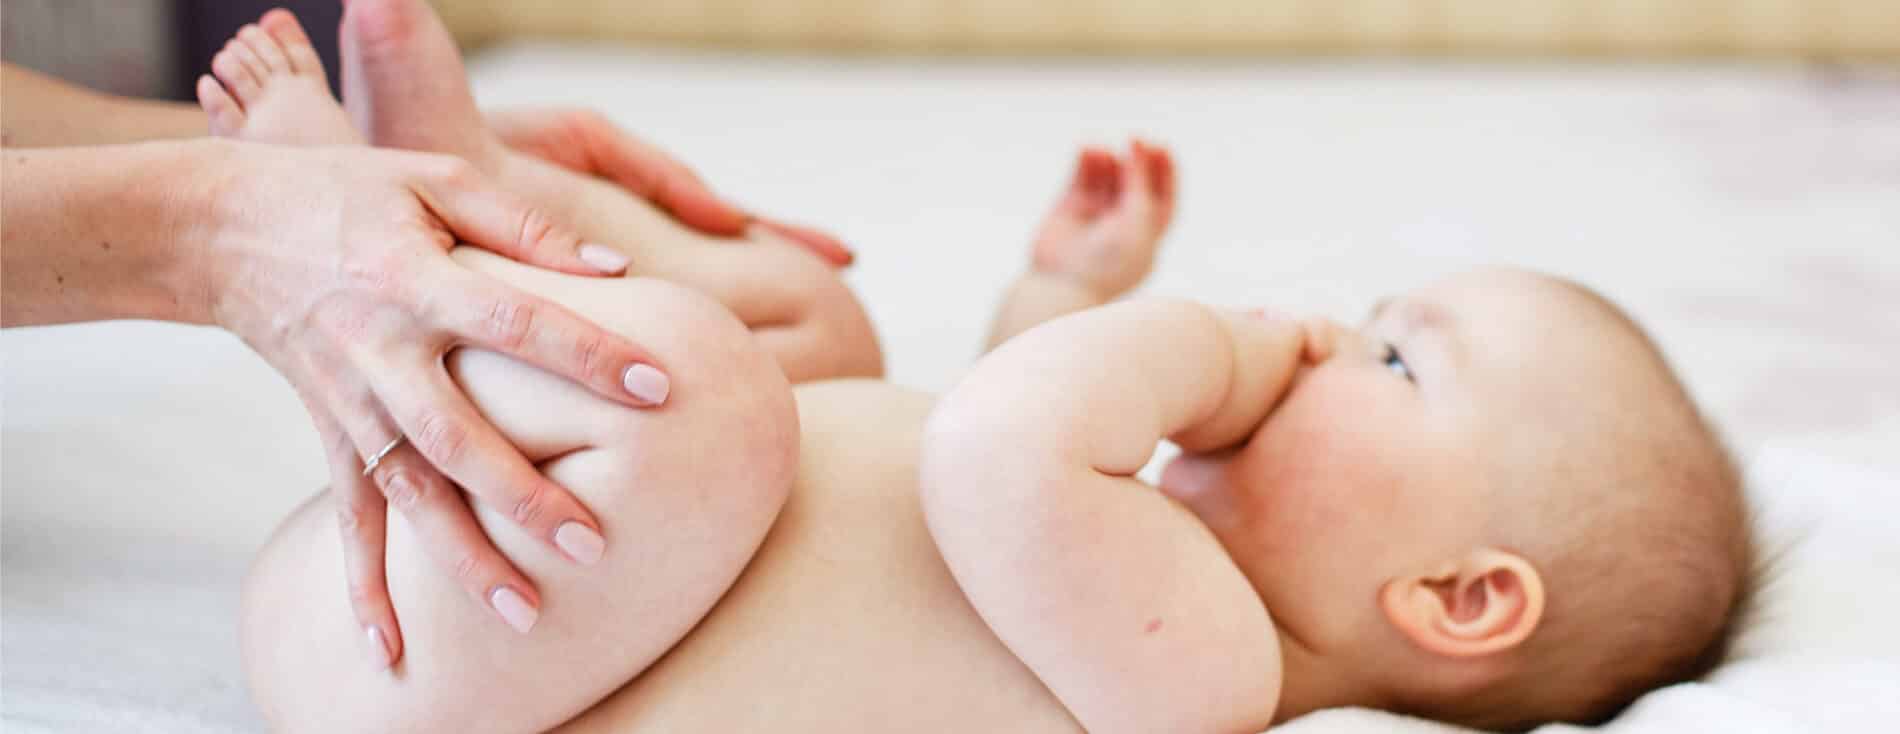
1613,28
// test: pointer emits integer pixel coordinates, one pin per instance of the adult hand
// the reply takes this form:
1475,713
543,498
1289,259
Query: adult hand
587,142
333,264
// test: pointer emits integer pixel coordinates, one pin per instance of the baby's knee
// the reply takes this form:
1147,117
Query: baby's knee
684,492
728,431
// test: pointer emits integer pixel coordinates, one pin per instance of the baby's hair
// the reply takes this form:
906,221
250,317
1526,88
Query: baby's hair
1644,544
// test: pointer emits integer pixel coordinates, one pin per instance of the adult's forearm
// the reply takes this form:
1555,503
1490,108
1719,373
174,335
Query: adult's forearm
106,232
37,110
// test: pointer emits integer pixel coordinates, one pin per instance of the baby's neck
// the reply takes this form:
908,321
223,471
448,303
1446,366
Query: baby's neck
1310,681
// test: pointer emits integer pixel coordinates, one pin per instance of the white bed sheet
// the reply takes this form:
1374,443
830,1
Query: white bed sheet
1749,215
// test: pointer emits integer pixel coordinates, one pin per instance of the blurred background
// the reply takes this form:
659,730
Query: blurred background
156,47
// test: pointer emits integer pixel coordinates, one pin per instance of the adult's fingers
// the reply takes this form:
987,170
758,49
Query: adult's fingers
825,246
453,436
649,172
361,518
485,216
448,532
484,312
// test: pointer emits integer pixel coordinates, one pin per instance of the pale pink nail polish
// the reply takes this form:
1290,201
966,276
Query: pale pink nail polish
608,260
647,384
579,542
378,647
513,609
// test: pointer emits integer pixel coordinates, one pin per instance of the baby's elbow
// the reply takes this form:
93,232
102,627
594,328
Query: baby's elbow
980,456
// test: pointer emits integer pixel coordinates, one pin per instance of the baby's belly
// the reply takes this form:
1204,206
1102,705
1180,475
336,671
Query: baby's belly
847,619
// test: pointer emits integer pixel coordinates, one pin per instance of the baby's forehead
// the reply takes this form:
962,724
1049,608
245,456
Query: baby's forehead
1501,307
1533,342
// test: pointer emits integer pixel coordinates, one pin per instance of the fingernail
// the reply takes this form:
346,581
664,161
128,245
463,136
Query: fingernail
608,260
378,646
647,384
513,609
579,542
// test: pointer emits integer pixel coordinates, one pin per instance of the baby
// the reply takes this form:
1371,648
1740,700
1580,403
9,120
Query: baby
1492,504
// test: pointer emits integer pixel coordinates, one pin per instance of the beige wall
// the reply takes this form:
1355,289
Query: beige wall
1815,28
122,46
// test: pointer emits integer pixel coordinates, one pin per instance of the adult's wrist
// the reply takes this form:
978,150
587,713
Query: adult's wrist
197,214
107,232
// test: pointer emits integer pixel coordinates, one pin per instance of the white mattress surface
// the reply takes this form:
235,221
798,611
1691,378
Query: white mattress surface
1750,216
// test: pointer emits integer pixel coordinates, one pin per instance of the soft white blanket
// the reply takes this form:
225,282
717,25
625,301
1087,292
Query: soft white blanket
1749,216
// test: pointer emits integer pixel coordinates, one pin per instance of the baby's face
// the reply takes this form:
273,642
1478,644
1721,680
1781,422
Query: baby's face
1384,456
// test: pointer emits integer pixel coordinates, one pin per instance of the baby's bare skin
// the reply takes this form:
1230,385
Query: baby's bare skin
772,572
846,619
817,598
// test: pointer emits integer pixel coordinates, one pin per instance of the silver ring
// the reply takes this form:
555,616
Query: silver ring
370,465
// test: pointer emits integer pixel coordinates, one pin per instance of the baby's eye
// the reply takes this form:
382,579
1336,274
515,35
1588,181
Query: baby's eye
1396,363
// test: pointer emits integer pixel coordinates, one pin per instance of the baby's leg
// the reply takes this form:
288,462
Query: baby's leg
684,493
405,86
1098,242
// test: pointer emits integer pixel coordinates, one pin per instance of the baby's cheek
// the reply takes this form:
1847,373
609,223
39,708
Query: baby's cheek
1319,471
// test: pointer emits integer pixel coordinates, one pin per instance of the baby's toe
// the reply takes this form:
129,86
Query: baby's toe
1098,178
223,112
282,25
238,80
264,48
1158,164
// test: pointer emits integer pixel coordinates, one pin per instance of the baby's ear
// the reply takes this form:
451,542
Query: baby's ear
1488,601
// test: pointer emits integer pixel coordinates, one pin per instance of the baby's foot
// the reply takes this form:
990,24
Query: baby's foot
270,88
1104,231
404,85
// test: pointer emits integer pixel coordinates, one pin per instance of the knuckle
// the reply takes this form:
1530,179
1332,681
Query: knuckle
468,569
509,322
441,438
531,506
400,487
384,271
452,170
350,517
537,231
588,353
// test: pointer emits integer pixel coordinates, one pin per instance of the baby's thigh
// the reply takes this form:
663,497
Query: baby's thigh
803,312
800,309
684,494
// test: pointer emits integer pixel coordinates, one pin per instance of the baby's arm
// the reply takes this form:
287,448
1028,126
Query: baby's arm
1119,599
